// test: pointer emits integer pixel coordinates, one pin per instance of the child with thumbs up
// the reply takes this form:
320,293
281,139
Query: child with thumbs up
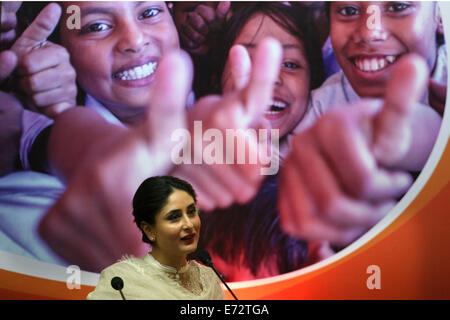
358,150
123,133
369,52
120,83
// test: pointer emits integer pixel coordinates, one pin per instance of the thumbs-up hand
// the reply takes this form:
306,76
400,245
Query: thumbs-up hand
94,205
335,184
220,184
392,127
44,72
405,131
237,69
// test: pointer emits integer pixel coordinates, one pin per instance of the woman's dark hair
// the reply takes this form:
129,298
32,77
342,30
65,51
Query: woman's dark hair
296,20
152,195
250,234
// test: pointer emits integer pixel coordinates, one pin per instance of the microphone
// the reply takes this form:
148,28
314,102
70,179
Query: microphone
117,284
205,258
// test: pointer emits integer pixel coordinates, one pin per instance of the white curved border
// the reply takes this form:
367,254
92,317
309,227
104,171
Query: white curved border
36,268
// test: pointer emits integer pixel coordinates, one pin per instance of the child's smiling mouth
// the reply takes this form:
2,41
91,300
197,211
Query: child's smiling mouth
373,63
277,108
137,72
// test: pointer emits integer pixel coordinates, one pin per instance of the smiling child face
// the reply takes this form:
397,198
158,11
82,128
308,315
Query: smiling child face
367,49
117,50
291,90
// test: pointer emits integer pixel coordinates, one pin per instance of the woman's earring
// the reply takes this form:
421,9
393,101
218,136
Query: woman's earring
152,239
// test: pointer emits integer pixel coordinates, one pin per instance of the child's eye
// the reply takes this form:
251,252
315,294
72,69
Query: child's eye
398,6
95,27
290,65
148,13
348,11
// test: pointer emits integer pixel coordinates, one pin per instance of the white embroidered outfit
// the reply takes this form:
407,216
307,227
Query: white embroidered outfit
147,279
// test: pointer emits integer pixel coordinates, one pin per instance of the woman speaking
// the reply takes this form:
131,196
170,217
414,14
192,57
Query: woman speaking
165,210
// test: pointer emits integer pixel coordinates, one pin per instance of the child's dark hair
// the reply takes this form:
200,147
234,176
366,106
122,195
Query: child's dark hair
296,20
250,234
152,195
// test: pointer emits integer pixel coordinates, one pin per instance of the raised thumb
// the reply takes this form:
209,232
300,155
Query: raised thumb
39,30
392,135
166,110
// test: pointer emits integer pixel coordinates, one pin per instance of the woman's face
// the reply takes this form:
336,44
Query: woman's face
117,51
176,228
291,91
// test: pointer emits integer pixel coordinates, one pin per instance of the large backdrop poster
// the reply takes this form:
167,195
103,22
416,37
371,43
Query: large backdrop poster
300,220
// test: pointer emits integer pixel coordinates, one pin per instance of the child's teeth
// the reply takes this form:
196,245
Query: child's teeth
390,59
373,64
279,105
359,64
137,73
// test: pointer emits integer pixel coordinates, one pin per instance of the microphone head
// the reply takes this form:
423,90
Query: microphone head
117,283
205,257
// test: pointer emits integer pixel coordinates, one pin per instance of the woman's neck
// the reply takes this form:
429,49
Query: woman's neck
176,262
